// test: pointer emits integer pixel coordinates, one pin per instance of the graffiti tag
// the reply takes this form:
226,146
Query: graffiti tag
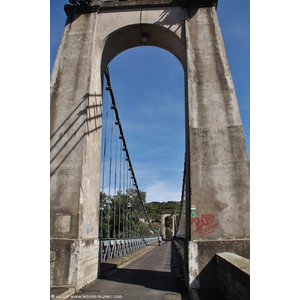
204,225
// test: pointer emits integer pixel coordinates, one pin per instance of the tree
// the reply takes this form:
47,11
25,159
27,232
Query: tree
121,215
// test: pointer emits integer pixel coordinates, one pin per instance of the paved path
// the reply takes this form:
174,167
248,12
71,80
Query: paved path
151,276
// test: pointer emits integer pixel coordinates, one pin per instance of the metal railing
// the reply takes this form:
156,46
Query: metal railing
115,248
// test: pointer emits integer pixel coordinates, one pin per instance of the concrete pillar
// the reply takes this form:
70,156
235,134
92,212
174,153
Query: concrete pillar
173,224
217,160
162,226
76,108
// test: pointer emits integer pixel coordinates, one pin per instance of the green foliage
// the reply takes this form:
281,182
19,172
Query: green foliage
127,212
168,233
155,209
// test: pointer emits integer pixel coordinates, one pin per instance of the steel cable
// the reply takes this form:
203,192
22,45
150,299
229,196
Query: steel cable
103,172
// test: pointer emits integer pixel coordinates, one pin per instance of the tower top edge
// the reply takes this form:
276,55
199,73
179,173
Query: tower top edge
97,5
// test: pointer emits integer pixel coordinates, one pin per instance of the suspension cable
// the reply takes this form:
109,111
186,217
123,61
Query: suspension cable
115,192
109,182
103,172
124,198
183,196
114,106
120,193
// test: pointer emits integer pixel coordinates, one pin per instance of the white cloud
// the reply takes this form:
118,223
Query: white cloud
162,191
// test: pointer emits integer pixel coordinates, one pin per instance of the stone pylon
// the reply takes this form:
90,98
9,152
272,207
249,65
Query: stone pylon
217,164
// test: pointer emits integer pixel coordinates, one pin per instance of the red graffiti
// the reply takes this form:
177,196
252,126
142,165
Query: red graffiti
204,225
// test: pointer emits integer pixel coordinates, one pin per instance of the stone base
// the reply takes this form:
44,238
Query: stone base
201,260
76,262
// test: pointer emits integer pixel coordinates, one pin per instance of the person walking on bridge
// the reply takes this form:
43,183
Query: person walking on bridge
159,240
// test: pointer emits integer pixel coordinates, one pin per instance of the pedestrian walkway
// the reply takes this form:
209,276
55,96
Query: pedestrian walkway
151,276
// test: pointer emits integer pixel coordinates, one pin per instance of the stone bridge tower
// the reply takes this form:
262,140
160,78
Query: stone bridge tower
217,164
162,224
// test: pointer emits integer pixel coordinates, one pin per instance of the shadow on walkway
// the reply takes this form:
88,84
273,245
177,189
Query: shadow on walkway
151,275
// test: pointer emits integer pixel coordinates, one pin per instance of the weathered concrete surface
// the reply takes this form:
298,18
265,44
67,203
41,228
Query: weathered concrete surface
156,3
218,156
52,259
75,155
201,259
233,274
217,162
76,262
118,31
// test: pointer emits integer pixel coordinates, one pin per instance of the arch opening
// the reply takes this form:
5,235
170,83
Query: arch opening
131,36
148,115
168,226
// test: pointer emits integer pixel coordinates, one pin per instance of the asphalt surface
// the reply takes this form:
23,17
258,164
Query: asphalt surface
153,275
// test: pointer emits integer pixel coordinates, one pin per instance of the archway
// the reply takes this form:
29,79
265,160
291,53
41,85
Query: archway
148,87
217,165
163,224
131,36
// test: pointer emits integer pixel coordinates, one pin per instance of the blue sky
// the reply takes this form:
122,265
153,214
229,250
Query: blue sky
148,84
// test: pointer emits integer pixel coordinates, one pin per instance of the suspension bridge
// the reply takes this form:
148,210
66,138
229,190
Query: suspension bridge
98,215
124,222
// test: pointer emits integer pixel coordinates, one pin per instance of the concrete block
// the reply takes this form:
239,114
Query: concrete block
233,274
62,223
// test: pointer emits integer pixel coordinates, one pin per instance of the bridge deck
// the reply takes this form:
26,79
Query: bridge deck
151,276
